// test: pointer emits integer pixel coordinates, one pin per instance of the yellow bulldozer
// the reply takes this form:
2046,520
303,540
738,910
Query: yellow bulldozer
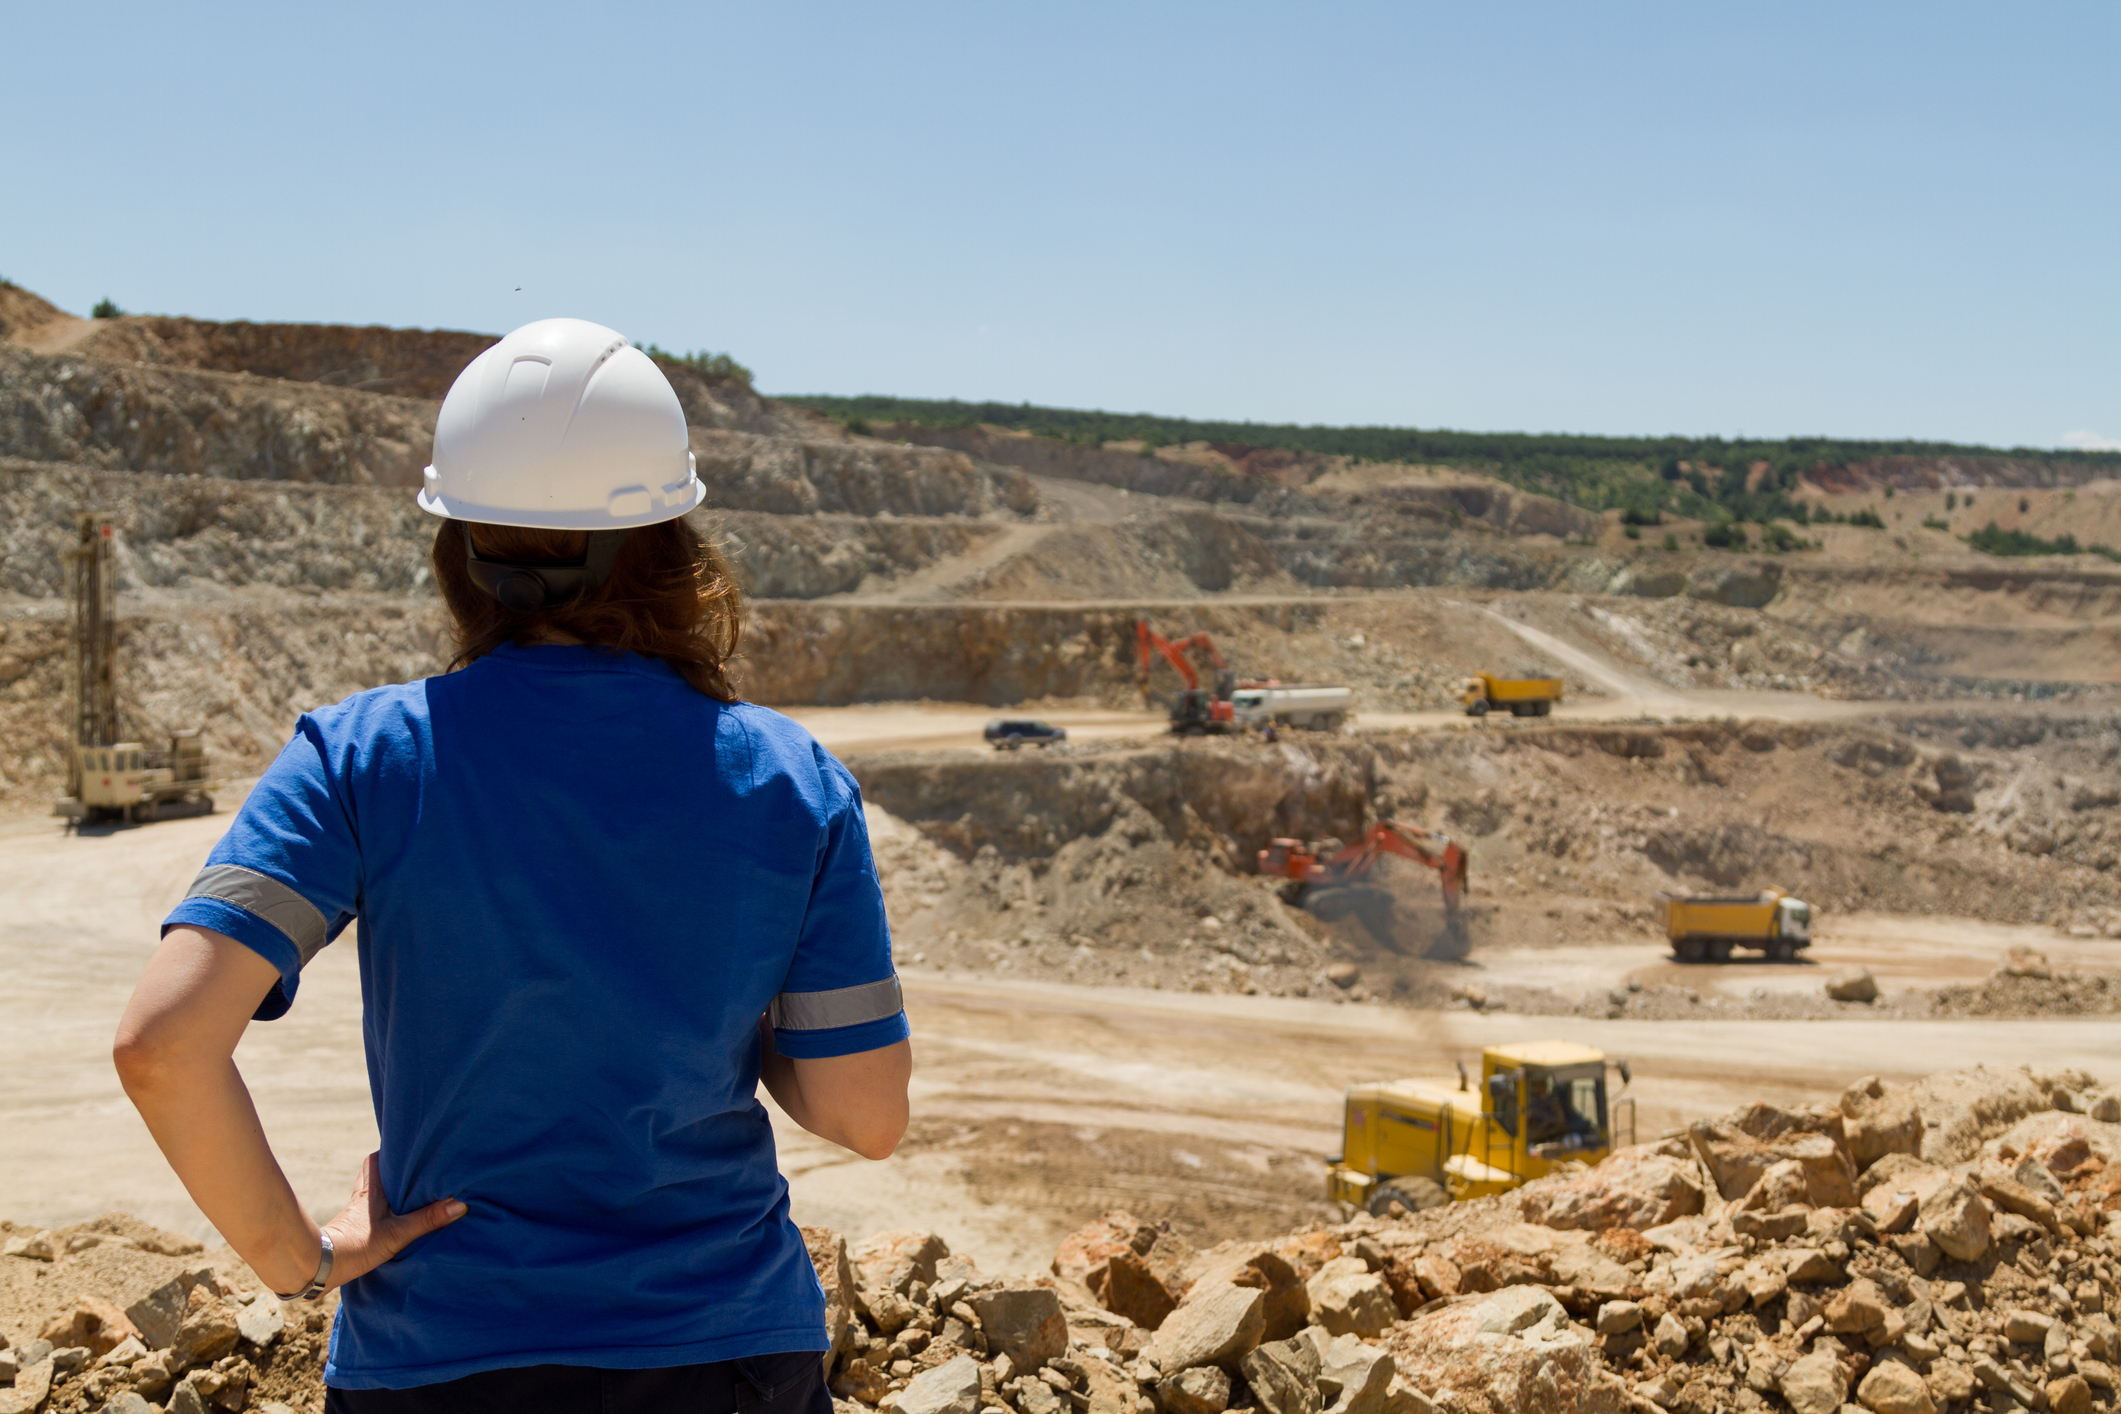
1423,1143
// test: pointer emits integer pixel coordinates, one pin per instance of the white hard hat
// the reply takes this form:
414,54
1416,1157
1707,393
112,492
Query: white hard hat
562,425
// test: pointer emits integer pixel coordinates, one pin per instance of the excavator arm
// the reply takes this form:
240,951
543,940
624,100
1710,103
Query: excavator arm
1302,867
1148,643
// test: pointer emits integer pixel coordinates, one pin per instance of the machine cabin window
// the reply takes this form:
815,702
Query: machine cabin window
1559,1104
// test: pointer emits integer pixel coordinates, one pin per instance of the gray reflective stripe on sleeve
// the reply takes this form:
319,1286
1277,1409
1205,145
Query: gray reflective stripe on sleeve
269,899
843,1006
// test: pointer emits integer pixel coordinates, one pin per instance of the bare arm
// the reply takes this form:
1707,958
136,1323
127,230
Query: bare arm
857,1101
175,1053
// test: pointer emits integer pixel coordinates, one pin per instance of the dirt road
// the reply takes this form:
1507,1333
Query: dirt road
1037,1105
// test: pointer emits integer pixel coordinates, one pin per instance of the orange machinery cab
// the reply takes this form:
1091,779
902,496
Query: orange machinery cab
1539,1105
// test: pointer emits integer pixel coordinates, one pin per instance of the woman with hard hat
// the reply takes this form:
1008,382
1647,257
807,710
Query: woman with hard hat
600,900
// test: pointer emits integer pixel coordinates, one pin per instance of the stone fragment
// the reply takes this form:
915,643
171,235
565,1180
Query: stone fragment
1082,1254
1892,1207
1949,1382
1439,1275
209,1331
1133,1268
127,1402
1770,1227
1024,1322
158,1314
36,1246
1957,1220
1881,1120
2027,1327
186,1399
1781,1186
2069,1395
1637,1187
1288,1303
1346,1297
1671,1337
1217,1324
2014,1197
263,1320
32,1384
894,1260
1856,1309
1035,1396
1354,1377
125,1352
1130,1287
1814,1384
98,1325
1403,1398
1618,1317
1739,1148
835,1273
1514,1352
949,1388
1204,1389
1283,1376
1809,1264
1852,984
1892,1388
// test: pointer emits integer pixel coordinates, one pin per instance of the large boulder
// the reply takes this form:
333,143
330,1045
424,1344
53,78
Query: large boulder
1132,1267
1513,1352
1962,1108
1217,1324
1879,1120
1739,1148
1637,1187
1024,1322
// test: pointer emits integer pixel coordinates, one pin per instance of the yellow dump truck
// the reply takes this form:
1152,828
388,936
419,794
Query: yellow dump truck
1704,928
129,782
1520,697
1422,1143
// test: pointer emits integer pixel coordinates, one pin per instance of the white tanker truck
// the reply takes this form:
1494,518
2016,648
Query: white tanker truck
1321,709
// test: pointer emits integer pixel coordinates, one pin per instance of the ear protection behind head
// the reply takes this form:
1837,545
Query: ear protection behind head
526,586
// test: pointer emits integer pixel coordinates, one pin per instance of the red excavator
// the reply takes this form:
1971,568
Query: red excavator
1301,865
1196,710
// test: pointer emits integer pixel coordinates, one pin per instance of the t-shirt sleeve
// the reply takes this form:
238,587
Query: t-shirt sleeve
286,878
842,993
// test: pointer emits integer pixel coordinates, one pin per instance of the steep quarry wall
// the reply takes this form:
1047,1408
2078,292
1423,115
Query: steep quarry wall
1279,483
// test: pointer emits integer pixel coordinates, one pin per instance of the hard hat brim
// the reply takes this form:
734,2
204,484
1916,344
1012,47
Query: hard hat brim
436,504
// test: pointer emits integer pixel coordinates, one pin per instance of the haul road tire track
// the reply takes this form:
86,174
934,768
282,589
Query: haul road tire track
1035,1103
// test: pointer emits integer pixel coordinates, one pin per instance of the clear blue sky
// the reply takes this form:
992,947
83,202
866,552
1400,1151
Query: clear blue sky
1862,220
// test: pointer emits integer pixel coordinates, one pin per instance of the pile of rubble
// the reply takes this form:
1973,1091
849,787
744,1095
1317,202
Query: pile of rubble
195,1342
1926,1248
1934,1247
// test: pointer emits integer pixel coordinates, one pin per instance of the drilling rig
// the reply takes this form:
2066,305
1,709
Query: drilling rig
107,778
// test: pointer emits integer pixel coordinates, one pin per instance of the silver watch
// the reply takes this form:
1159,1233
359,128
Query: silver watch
317,1283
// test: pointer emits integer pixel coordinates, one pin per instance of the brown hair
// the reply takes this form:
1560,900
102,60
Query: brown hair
669,595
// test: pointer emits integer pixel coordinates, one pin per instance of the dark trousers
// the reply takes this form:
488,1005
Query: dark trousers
756,1384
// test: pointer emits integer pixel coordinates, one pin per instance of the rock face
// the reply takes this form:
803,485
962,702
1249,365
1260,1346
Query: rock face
1639,1187
1217,1324
1510,1353
1740,1148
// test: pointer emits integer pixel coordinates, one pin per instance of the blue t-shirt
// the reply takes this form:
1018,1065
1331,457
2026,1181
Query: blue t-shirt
580,884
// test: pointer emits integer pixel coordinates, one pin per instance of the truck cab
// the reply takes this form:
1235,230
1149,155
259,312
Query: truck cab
1539,1104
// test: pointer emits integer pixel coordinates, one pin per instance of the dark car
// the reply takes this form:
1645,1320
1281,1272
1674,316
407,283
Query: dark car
1007,735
